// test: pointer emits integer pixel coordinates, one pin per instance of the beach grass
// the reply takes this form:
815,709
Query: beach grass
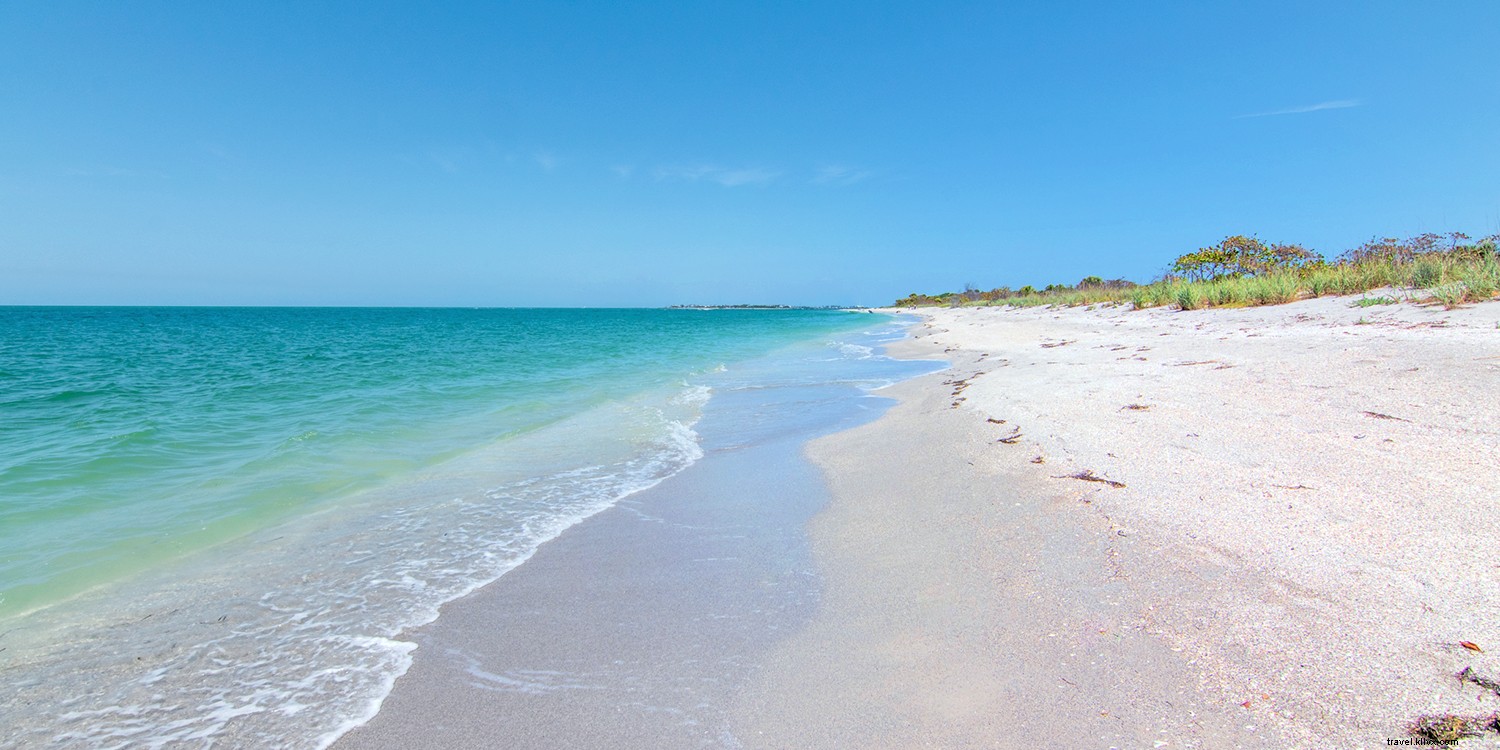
1190,296
1419,273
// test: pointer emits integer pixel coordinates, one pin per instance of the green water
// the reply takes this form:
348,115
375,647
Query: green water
132,436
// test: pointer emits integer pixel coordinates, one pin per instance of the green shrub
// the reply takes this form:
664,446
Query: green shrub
1287,286
1375,274
1481,280
1345,281
1426,273
1241,270
1450,295
1274,289
1259,292
1189,296
1143,297
1238,256
1226,292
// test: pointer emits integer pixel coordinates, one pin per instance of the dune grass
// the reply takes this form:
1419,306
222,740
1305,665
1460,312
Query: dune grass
1449,278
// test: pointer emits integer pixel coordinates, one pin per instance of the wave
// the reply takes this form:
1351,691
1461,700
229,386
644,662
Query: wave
294,637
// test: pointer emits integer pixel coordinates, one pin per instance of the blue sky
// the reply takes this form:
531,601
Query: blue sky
614,154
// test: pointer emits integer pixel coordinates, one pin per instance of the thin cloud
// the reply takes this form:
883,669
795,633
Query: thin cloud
752,176
623,171
1320,106
683,173
713,173
835,174
546,161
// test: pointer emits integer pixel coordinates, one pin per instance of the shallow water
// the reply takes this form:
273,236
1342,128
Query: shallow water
215,523
640,627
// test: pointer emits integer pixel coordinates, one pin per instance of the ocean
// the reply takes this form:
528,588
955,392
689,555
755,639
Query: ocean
216,523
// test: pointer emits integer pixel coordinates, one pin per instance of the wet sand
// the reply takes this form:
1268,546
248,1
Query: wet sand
637,627
1297,530
1257,528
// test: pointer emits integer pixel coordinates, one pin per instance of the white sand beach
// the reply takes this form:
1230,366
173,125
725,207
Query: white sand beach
1295,534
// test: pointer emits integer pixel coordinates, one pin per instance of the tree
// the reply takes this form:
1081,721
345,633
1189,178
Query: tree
1384,249
1281,257
1238,255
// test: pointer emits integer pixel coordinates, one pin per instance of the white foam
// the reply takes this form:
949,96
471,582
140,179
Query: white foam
294,638
858,351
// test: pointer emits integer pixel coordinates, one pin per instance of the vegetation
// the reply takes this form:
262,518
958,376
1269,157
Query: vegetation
1242,270
1239,256
1448,729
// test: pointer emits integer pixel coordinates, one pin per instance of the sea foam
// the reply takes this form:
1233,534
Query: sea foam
305,487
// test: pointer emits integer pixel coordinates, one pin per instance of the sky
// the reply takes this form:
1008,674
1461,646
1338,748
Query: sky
642,154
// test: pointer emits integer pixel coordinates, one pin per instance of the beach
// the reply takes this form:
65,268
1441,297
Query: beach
222,526
747,376
1236,528
1257,527
984,527
639,627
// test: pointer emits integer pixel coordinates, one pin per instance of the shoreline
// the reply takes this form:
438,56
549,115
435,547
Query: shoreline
290,633
966,605
636,626
1301,535
1257,527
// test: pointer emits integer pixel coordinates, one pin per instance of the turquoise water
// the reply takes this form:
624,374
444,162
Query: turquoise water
215,523
133,435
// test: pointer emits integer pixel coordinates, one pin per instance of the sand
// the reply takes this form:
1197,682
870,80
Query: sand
638,626
1250,528
1301,532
